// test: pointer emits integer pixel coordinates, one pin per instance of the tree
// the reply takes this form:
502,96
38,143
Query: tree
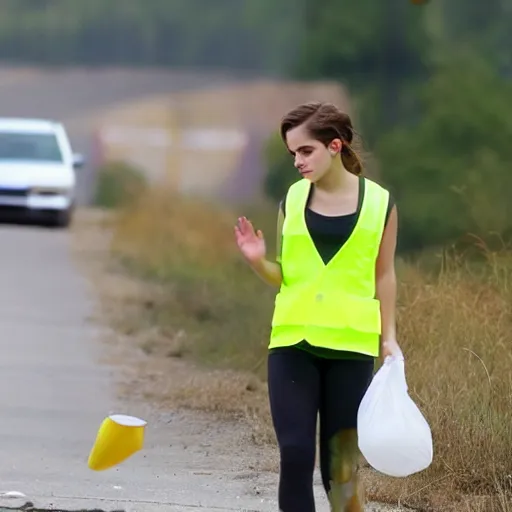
380,50
450,172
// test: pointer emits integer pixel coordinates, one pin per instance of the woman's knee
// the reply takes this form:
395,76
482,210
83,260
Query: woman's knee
297,457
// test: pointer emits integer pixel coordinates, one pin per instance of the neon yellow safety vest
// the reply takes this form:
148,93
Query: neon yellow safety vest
330,305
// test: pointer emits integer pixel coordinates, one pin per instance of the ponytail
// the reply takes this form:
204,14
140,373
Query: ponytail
351,160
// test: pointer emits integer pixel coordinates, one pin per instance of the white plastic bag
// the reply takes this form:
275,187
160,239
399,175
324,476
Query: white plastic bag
394,436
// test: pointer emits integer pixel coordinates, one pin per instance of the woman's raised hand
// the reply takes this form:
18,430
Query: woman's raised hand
250,242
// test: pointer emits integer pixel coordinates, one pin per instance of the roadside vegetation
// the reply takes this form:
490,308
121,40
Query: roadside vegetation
454,322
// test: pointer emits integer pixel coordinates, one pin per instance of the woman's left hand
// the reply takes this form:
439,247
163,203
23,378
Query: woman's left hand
390,348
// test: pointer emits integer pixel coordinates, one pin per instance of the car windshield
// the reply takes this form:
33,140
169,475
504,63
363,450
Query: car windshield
42,147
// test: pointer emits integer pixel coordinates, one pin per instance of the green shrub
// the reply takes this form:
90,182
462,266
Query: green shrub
118,184
450,171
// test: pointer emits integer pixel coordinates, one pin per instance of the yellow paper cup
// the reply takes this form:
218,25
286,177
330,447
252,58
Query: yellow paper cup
118,438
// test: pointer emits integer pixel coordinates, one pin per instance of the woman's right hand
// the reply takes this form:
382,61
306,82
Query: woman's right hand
250,242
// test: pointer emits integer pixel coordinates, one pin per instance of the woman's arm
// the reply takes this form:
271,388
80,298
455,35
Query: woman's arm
269,271
386,284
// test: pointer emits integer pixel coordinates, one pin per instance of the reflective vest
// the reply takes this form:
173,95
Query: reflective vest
330,305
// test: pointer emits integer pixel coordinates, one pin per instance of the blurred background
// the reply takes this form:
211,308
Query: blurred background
192,91
175,105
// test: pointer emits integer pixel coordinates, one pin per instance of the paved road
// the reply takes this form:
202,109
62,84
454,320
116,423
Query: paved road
54,394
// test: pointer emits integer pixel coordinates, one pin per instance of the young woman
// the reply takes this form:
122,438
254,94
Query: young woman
335,310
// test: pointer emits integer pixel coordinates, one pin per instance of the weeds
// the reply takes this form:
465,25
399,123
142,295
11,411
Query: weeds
118,184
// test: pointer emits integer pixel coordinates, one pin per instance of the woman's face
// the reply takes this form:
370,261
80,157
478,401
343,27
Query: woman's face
312,159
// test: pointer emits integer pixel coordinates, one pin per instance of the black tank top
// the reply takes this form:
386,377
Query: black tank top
329,234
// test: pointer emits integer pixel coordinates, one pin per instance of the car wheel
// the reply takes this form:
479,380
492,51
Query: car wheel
62,218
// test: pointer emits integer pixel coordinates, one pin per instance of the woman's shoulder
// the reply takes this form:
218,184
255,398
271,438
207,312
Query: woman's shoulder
301,185
382,187
375,182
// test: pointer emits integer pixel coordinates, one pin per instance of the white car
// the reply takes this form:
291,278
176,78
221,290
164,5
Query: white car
37,170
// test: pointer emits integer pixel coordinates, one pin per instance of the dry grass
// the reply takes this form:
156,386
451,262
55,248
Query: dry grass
208,296
454,325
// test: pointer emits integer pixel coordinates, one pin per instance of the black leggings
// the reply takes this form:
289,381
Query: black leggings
301,385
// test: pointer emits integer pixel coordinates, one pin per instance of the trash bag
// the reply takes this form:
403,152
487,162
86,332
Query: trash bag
394,436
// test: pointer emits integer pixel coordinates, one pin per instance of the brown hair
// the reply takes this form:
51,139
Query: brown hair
325,122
